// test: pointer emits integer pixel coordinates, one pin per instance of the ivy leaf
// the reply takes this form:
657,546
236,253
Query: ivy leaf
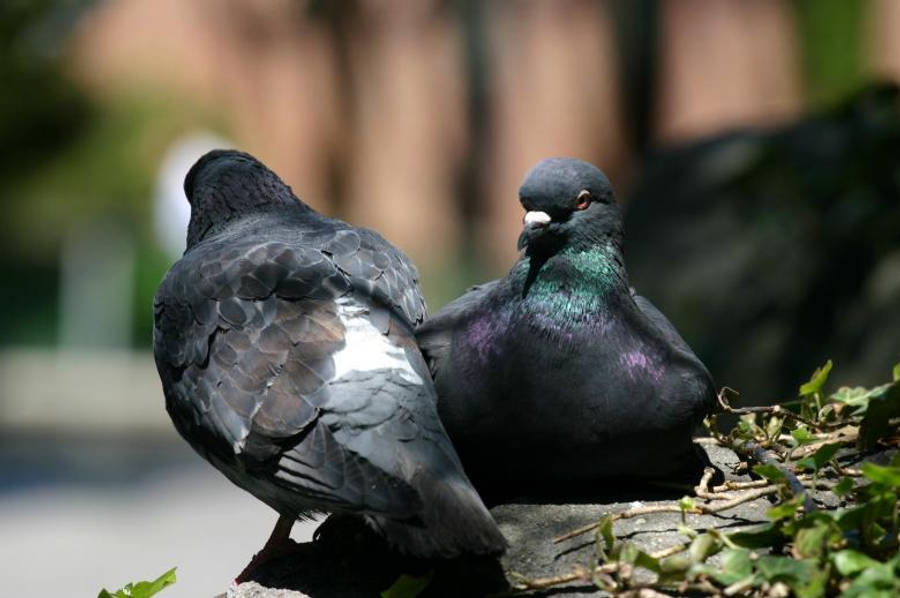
856,396
889,476
875,581
803,576
802,436
761,537
822,456
785,510
605,539
145,589
631,554
817,381
736,566
701,547
676,564
647,562
850,519
686,503
850,562
770,472
810,541
896,372
773,427
872,584
142,589
875,424
843,487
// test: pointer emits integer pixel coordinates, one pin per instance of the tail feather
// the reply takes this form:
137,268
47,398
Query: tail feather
454,521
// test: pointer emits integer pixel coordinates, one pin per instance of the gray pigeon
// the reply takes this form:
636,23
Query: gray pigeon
558,377
284,342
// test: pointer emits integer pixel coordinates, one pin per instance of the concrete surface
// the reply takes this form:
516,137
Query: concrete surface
529,528
72,537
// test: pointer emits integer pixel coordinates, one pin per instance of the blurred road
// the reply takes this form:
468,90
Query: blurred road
73,539
97,489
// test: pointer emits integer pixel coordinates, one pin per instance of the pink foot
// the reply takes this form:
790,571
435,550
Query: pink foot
278,544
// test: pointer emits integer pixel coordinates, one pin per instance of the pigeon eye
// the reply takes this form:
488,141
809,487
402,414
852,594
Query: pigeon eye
583,200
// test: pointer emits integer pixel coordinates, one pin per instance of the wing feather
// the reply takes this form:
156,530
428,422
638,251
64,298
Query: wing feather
245,336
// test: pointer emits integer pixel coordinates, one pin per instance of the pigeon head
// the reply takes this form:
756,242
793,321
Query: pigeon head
225,185
568,203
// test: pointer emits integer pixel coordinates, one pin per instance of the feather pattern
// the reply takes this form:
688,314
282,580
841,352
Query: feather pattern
285,345
557,377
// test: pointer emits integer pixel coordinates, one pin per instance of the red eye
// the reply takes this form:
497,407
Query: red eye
583,200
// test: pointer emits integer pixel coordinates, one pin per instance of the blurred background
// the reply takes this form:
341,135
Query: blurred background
754,146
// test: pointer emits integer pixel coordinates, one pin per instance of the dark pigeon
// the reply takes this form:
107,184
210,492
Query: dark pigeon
559,377
284,341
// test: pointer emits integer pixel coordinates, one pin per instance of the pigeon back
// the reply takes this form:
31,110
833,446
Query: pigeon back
284,343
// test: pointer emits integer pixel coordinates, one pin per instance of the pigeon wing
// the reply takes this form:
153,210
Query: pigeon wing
245,337
435,335
378,269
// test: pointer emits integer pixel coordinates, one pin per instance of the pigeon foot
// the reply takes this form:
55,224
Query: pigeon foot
278,544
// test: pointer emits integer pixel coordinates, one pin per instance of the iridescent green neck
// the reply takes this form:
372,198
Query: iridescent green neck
575,282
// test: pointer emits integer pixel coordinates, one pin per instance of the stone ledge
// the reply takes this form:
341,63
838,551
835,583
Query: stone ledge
350,561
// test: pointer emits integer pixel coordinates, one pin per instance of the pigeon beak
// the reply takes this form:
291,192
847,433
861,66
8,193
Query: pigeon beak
531,224
536,219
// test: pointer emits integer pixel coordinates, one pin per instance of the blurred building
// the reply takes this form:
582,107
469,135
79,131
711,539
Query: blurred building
418,119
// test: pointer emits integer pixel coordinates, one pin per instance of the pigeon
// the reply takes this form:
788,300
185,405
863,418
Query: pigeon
285,344
559,376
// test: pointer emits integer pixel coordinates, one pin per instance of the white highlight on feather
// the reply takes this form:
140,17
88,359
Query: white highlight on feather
536,218
366,348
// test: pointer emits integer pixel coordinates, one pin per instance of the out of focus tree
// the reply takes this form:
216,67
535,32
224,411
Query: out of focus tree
41,115
774,249
831,32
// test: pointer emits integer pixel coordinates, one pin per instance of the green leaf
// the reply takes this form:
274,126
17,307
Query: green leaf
875,424
408,586
773,427
747,428
876,581
802,436
815,586
889,476
761,537
143,589
850,562
799,575
810,541
628,553
646,561
850,519
605,540
736,565
770,472
822,456
675,564
701,547
631,554
785,510
686,503
896,372
857,398
817,381
843,487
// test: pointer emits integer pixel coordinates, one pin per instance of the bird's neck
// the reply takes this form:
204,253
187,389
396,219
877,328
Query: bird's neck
575,281
218,214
